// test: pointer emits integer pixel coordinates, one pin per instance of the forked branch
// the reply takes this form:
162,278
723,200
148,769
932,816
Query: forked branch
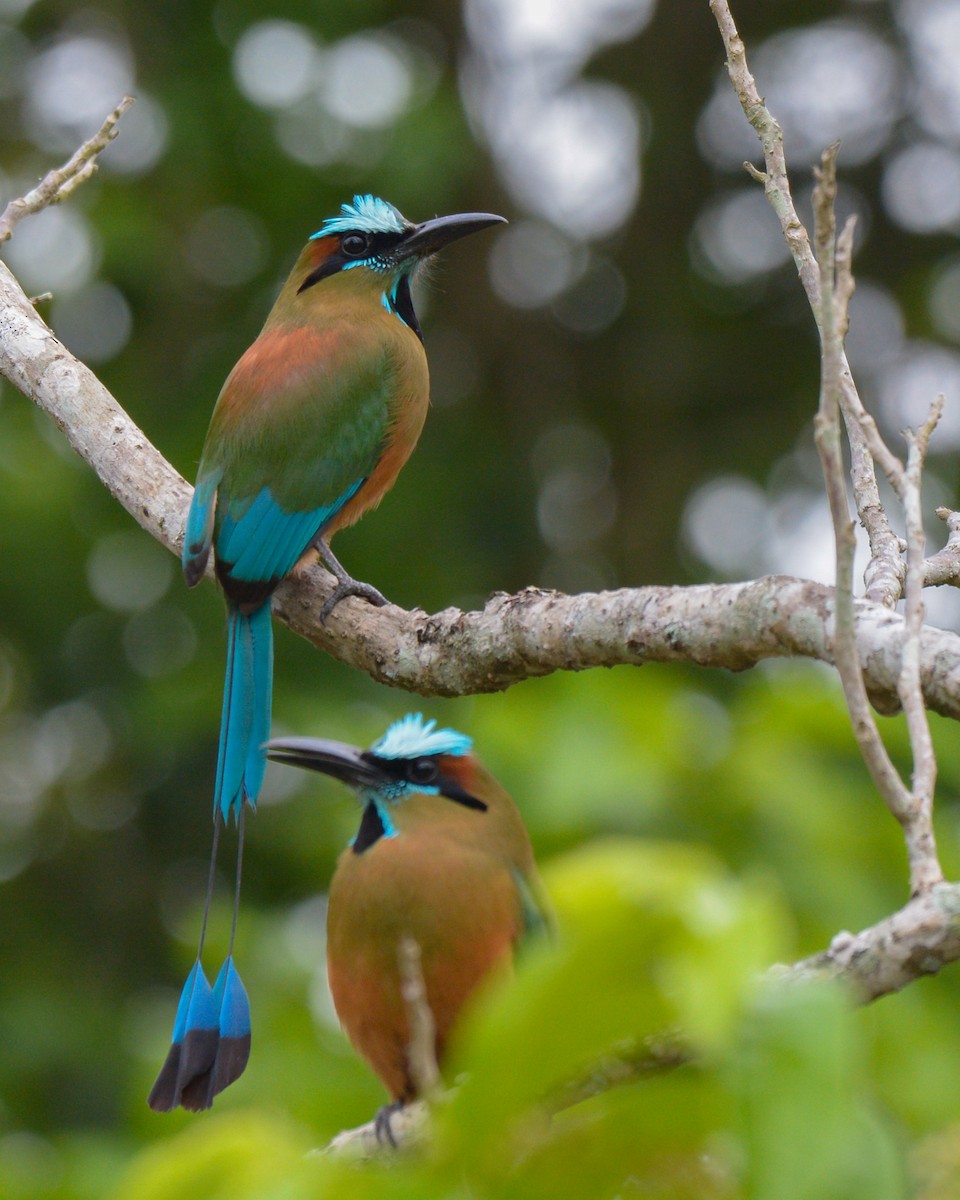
58,184
826,272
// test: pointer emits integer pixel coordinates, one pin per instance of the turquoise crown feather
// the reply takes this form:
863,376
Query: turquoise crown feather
411,736
367,213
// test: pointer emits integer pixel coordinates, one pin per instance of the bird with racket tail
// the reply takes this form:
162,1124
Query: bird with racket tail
310,430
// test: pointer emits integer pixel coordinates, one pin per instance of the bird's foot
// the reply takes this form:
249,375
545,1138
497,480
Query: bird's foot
381,1123
352,587
346,585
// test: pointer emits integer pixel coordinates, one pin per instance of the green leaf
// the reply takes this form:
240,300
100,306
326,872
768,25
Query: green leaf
242,1156
651,938
809,1131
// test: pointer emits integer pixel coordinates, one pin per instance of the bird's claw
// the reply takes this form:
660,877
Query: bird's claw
352,587
346,584
381,1124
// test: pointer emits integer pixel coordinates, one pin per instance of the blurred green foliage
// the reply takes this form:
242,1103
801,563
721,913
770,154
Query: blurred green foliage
694,827
654,937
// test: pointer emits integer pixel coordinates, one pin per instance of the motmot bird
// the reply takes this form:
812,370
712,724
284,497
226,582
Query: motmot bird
311,428
441,856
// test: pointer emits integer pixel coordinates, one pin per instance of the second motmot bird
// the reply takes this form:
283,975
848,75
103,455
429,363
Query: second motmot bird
441,857
311,428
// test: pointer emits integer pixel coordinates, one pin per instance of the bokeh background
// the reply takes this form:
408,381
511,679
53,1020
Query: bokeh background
623,387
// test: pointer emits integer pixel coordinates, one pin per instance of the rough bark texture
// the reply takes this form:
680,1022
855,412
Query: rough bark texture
918,940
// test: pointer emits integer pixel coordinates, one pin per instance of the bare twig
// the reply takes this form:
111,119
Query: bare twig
626,1065
944,566
885,573
828,292
835,288
57,185
421,1051
774,179
918,821
410,1125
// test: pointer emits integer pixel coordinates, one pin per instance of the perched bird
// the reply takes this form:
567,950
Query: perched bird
441,857
310,430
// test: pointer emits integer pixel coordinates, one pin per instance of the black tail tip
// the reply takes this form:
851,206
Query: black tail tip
194,569
199,1070
165,1095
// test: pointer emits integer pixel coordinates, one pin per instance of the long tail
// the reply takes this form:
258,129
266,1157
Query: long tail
211,1033
245,722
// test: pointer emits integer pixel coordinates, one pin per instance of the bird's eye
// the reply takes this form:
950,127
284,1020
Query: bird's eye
354,245
423,770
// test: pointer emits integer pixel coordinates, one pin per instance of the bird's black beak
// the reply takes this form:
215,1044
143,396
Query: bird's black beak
337,759
430,236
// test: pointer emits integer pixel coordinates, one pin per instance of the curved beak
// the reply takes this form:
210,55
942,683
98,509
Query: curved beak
337,759
430,236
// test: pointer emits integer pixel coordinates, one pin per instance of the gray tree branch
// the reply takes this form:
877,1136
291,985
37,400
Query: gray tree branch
918,940
455,653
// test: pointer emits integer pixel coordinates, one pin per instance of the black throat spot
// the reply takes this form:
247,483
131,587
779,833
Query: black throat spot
402,304
371,829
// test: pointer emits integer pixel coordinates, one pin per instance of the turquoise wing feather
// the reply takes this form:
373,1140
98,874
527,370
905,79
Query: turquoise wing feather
198,535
